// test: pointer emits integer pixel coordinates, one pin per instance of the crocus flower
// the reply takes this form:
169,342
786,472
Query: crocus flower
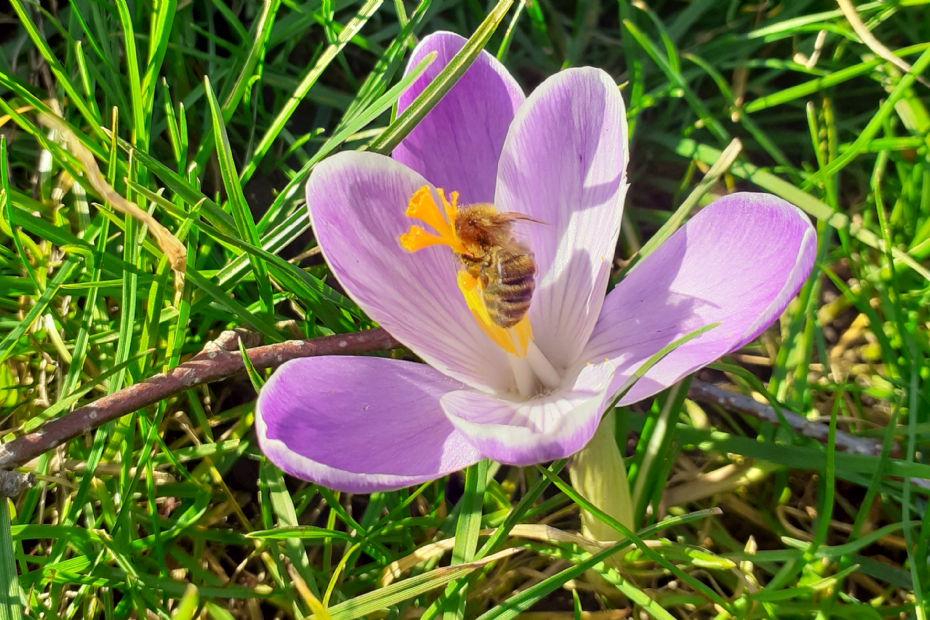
536,392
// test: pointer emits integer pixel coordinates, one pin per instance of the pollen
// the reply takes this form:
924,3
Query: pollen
423,207
417,238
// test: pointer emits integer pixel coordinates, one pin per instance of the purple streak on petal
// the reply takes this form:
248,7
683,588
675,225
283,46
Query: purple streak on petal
542,429
739,262
564,163
357,203
360,424
457,145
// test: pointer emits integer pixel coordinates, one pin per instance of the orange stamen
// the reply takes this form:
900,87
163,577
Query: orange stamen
416,239
423,207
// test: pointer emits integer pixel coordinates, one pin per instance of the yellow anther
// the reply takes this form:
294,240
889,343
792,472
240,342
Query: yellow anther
466,281
513,340
524,332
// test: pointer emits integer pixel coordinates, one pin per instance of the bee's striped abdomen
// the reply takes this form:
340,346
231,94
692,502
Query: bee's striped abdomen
508,281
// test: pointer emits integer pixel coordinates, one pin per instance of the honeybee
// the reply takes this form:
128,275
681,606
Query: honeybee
504,266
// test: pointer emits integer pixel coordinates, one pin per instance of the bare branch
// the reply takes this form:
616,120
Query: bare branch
219,360
12,483
714,395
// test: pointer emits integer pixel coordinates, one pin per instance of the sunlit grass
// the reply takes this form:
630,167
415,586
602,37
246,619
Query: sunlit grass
210,116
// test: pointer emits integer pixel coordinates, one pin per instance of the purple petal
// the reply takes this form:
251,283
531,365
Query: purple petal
542,429
457,146
357,203
738,262
564,163
360,424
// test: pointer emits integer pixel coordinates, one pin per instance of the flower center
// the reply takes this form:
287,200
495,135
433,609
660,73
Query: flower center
423,207
470,232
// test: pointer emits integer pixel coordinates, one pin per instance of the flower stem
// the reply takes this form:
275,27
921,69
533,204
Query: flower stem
598,473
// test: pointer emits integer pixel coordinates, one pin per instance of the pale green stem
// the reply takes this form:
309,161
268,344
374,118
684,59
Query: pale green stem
598,473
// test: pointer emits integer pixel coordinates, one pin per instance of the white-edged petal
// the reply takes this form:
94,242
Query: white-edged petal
564,163
541,429
357,203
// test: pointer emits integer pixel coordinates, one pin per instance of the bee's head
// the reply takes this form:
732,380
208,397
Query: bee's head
479,227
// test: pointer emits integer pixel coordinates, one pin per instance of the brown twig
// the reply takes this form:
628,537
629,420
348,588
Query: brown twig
714,395
219,360
12,483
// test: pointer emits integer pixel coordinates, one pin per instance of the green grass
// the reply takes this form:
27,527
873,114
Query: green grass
210,115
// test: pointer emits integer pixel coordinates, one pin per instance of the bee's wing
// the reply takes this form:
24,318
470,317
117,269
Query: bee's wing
511,216
502,234
512,245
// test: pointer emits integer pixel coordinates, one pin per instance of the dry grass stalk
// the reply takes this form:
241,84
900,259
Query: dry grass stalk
540,533
174,250
609,614
872,43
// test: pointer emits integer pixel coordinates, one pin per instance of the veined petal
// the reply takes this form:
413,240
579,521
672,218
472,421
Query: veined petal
357,203
542,429
564,163
360,424
738,262
457,145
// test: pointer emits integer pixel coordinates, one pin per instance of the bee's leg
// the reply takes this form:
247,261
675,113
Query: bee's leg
470,265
